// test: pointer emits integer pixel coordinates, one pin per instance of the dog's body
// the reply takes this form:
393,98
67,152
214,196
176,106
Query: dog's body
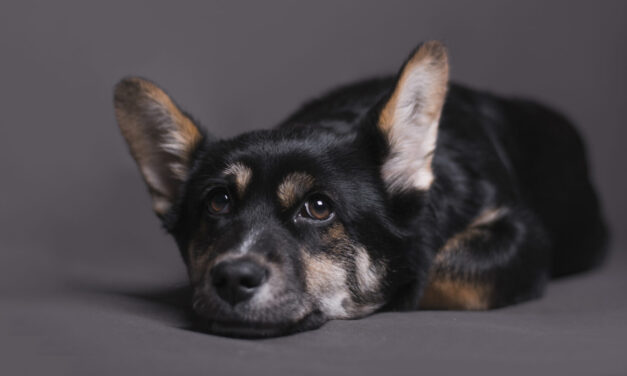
397,193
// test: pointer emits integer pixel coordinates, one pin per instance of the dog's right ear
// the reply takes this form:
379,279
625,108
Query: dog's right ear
410,118
160,136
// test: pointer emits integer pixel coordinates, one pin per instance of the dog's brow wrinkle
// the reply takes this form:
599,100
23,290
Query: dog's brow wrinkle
293,188
242,174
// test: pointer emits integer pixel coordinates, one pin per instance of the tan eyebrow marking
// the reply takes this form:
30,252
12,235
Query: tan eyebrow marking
293,188
242,174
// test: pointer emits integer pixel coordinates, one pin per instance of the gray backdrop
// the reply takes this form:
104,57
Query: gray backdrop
89,283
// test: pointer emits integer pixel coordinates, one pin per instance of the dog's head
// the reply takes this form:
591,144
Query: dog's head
282,230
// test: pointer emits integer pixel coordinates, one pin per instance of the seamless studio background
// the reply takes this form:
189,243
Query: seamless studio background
90,284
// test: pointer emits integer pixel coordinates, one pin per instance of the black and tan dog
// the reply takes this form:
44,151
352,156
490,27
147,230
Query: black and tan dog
397,193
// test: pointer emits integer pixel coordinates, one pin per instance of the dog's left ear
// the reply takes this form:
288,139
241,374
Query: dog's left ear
409,120
160,136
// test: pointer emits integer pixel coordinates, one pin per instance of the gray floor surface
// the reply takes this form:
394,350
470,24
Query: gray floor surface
114,324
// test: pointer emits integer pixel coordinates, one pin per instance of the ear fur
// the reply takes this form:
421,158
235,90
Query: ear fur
409,120
160,136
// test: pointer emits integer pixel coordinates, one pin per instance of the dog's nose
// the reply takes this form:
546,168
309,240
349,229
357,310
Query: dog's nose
237,280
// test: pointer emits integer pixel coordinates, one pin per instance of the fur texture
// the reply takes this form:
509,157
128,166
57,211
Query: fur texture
396,193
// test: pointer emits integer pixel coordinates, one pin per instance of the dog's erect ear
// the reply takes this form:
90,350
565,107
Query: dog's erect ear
409,120
161,137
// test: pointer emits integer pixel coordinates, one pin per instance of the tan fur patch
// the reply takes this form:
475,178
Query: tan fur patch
293,188
181,135
344,297
326,283
186,135
474,230
488,216
451,294
161,138
242,174
335,233
367,273
431,58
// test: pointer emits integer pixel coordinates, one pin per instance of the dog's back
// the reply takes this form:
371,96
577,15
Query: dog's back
539,151
549,158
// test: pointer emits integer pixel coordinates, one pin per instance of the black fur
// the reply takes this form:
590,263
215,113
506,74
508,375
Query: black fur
491,152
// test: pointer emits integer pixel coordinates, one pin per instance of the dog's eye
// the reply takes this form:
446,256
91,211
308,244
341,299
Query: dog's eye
219,201
317,207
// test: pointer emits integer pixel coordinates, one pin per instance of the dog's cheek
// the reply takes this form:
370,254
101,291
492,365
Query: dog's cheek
369,277
198,262
325,281
200,250
341,278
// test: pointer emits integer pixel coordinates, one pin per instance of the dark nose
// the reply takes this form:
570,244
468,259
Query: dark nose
237,280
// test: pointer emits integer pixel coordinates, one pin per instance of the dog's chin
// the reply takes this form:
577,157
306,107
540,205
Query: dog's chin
247,329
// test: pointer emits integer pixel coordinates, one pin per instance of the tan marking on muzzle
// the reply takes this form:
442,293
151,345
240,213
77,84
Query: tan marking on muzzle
242,175
367,273
293,188
327,276
326,283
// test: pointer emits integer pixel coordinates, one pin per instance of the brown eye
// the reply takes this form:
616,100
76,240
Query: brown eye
318,207
219,201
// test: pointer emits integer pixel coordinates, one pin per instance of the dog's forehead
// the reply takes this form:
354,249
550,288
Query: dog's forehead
293,143
286,182
275,157
287,166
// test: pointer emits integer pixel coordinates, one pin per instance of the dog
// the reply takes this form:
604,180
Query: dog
398,193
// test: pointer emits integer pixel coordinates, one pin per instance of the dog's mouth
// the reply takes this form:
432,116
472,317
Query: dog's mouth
285,312
250,329
241,329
